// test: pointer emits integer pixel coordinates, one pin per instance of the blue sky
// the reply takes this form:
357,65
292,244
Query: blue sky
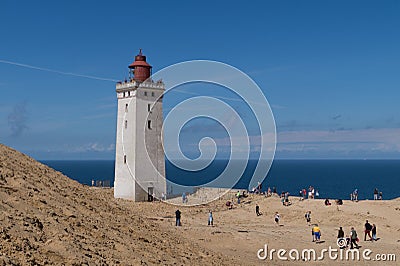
329,69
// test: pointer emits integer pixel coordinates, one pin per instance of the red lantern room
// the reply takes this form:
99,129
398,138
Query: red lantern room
140,68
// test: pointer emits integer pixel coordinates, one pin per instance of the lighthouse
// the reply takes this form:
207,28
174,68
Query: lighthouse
139,156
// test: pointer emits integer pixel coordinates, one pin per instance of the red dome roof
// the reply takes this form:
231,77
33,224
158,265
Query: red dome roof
140,60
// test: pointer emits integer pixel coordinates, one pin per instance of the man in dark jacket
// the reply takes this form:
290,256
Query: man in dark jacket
368,228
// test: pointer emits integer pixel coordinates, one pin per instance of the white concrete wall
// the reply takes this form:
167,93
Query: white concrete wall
142,146
125,145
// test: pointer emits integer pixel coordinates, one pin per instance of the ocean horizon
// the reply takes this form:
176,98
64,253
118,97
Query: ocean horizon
332,178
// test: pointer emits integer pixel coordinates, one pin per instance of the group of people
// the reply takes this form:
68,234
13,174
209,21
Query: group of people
315,230
352,239
312,193
258,189
378,195
178,218
354,195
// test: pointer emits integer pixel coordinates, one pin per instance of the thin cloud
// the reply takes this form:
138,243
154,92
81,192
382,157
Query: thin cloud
93,147
384,139
56,71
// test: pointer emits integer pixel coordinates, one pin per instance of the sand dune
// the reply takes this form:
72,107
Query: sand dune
47,218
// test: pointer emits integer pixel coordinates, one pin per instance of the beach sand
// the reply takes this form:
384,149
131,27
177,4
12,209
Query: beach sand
47,218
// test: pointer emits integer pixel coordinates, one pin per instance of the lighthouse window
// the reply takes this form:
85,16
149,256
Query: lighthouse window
152,94
124,159
126,108
148,107
145,93
149,124
126,124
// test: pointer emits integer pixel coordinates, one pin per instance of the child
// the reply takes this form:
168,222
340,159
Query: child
308,217
277,218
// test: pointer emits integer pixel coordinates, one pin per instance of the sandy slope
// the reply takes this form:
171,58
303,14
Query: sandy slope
47,218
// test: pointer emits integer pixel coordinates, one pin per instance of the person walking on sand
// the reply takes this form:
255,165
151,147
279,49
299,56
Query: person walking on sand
308,217
210,218
317,233
178,218
368,228
258,210
376,192
373,232
340,233
277,218
353,238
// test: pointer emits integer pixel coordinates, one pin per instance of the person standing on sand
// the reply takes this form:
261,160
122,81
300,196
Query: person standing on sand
376,192
210,218
308,217
178,218
368,228
277,218
355,195
353,238
258,210
380,195
373,232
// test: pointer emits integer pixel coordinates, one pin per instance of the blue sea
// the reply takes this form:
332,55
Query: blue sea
332,178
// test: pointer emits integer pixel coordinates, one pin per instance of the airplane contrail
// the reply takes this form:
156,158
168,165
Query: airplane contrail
56,71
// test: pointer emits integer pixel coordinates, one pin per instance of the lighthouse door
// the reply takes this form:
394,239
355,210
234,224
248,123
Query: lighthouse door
150,191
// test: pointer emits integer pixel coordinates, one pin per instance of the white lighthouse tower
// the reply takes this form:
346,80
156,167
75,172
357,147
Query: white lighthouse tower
139,158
